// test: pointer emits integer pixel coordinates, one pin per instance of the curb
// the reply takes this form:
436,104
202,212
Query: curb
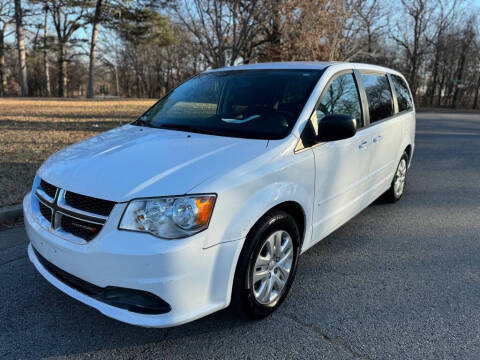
11,213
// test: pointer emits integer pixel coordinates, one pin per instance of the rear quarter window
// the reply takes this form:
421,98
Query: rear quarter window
404,99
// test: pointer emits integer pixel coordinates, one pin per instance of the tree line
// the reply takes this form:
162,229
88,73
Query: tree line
144,48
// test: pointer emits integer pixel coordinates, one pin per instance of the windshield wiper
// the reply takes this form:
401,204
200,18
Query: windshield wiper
186,128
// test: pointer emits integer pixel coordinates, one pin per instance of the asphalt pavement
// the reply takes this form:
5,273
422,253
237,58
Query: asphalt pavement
399,281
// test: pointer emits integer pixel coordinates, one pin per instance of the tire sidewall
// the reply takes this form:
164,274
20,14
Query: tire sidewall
404,157
273,221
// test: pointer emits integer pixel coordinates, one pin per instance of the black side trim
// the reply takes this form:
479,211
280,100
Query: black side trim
137,301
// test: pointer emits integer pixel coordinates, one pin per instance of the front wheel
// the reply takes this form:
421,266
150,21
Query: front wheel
266,267
397,187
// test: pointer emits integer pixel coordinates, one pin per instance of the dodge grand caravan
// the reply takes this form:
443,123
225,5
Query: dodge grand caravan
208,199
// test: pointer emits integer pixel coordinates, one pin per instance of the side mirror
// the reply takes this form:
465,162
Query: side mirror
336,127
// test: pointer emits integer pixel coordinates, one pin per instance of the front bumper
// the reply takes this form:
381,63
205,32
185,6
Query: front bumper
192,280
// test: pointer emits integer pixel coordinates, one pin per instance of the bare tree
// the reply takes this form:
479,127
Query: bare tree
109,55
159,43
6,18
67,18
364,30
93,48
445,16
303,30
206,22
225,30
46,71
410,33
314,30
477,91
477,70
465,49
272,28
22,58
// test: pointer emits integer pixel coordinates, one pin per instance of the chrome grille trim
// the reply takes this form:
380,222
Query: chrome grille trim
47,188
60,209
80,218
62,204
45,197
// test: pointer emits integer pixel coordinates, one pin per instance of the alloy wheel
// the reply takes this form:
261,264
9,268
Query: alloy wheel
400,176
272,267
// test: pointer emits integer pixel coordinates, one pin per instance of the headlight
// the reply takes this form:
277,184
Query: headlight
169,217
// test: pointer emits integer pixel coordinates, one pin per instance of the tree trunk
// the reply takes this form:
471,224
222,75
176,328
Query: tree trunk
117,83
93,48
3,77
137,72
477,90
62,70
274,51
441,87
413,75
22,58
433,87
459,77
46,73
370,42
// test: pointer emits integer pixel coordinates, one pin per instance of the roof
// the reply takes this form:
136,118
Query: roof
304,65
301,65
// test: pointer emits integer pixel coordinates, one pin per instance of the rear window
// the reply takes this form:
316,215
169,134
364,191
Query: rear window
379,96
403,95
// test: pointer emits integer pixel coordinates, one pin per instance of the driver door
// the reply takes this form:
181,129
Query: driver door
341,167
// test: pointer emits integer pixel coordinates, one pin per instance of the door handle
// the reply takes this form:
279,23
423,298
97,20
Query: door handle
363,145
377,138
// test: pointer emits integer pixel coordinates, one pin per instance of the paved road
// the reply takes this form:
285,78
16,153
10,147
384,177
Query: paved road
397,282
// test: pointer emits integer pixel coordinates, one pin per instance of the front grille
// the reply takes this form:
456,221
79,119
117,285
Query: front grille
79,215
90,204
83,229
49,189
45,211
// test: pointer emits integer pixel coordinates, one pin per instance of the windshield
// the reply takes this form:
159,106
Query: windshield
261,104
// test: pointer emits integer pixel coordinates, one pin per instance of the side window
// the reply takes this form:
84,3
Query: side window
403,95
341,97
379,96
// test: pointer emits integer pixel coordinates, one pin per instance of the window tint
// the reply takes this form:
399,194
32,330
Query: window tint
403,95
341,98
379,96
260,104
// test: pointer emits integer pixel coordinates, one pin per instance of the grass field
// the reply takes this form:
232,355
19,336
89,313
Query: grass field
33,129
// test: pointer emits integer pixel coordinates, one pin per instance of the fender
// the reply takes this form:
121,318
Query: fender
257,205
262,201
247,195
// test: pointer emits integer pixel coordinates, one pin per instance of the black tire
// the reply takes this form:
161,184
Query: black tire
243,300
391,195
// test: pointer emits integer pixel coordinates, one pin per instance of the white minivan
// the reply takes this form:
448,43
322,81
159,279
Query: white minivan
209,198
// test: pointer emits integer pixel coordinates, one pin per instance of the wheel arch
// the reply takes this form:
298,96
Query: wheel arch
296,211
409,150
292,208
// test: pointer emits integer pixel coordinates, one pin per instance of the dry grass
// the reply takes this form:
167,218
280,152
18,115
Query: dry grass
33,129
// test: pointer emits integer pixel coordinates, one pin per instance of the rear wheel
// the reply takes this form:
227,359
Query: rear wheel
397,187
267,265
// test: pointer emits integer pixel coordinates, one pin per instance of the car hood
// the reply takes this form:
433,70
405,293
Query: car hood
132,161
